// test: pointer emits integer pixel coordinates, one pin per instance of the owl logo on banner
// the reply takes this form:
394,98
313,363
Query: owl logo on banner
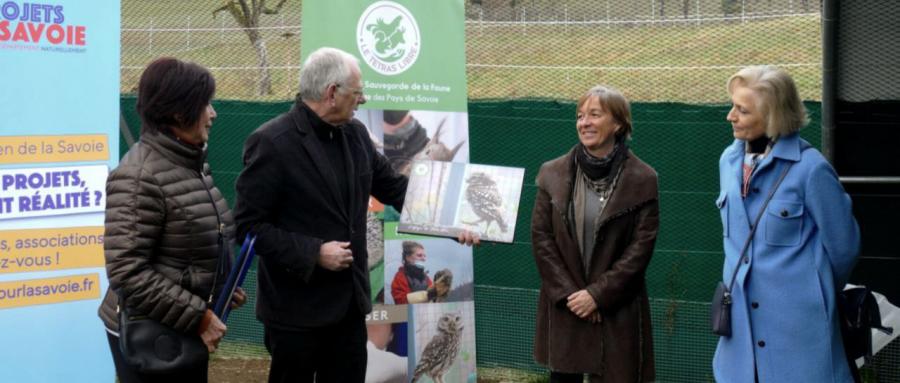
388,38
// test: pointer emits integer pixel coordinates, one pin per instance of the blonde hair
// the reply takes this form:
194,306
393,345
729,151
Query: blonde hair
777,98
613,102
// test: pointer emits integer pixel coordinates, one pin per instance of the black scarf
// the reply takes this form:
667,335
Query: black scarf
758,145
415,277
598,168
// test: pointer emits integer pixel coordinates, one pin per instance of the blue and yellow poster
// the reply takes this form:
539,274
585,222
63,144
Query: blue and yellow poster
58,140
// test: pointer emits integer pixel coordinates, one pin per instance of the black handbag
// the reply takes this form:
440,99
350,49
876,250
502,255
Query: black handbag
720,311
859,314
151,347
720,307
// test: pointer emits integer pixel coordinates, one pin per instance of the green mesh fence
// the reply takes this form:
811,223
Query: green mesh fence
526,62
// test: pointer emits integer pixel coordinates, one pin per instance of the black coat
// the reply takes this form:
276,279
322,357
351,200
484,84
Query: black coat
288,196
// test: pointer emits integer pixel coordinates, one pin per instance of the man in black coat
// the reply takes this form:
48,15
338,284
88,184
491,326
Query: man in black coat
304,192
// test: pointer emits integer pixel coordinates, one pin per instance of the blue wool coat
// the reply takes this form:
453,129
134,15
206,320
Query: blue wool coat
784,321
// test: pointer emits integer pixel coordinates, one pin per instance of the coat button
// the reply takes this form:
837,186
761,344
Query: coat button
755,305
761,343
755,190
784,213
746,260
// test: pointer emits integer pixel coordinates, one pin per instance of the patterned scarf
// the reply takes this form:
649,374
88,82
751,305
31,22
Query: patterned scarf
754,152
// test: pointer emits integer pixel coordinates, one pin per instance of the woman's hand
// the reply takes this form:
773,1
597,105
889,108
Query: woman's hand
581,303
238,298
214,331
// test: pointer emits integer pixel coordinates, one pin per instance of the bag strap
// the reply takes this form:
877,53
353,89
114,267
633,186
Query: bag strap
220,227
755,225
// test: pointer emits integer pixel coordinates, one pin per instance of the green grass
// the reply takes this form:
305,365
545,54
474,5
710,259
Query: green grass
648,62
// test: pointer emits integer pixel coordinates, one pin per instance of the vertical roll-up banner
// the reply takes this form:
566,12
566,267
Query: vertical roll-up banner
58,139
412,58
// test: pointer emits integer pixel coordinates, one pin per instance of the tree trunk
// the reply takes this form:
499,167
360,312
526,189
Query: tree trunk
262,58
685,6
662,8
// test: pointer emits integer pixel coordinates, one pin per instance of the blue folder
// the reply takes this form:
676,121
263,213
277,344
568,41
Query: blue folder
235,278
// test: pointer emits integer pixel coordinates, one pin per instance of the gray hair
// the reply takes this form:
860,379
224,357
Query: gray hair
322,68
777,98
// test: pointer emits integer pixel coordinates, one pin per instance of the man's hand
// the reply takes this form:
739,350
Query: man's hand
238,298
213,333
468,238
581,303
335,256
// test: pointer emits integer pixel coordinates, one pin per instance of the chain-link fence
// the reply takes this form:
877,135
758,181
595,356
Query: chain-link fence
526,62
653,50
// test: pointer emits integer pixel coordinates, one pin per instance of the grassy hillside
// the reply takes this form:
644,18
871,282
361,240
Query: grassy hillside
684,62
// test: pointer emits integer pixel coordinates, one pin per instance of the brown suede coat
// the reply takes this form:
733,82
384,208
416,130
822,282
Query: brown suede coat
620,347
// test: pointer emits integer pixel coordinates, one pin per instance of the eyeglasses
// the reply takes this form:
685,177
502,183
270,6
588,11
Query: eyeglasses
355,91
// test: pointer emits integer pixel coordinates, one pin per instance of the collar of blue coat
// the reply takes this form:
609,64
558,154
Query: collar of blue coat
786,148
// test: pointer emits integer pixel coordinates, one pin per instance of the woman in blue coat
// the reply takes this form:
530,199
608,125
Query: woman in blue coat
784,323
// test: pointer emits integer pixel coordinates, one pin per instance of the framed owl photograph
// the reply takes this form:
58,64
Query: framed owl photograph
444,199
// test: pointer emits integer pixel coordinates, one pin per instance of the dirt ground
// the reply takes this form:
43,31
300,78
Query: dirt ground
238,370
222,370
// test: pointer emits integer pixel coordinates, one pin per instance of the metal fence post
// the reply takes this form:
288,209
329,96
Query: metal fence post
480,22
743,11
523,22
221,30
150,38
698,12
607,14
187,35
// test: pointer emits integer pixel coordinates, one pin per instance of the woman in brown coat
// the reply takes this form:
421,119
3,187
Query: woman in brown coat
593,229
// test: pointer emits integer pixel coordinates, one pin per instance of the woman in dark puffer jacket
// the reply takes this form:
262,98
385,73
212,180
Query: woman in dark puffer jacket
164,217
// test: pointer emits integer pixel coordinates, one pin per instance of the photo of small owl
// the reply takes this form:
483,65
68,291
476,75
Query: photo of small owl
441,352
483,196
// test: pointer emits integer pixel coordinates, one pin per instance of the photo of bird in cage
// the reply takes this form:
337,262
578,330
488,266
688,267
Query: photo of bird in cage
444,199
444,342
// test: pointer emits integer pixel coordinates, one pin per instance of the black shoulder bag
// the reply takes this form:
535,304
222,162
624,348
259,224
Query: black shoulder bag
720,310
152,347
859,315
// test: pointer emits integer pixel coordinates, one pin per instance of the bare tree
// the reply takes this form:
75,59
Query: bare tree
685,8
246,14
